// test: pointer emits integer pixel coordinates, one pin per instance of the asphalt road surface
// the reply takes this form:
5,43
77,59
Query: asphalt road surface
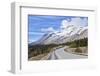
61,54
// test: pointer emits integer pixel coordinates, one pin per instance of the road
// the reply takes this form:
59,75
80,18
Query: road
61,54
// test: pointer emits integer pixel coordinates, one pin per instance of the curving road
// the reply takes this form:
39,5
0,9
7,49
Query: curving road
61,54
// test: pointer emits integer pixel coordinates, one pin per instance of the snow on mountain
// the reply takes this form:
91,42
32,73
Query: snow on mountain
66,34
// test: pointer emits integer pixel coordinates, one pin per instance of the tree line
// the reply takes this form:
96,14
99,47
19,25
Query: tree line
39,49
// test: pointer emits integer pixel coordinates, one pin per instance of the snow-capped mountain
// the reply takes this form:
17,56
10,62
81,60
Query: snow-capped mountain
66,34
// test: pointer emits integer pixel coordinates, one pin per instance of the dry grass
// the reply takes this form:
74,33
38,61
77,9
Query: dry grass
78,51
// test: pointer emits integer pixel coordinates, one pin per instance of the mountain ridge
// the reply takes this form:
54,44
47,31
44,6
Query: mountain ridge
70,33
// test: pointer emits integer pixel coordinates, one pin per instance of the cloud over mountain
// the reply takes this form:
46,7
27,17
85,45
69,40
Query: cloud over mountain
74,21
49,29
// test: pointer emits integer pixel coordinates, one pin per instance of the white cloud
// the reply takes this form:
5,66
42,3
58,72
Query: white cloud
79,21
36,33
75,21
49,29
64,24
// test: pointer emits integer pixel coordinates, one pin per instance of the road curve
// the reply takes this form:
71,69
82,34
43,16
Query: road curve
61,54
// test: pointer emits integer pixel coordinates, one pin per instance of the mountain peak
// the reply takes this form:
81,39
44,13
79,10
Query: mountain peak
71,33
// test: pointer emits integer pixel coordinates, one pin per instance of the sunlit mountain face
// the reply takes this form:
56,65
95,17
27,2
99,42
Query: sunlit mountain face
69,31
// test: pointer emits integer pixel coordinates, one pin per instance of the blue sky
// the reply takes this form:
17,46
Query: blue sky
38,25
